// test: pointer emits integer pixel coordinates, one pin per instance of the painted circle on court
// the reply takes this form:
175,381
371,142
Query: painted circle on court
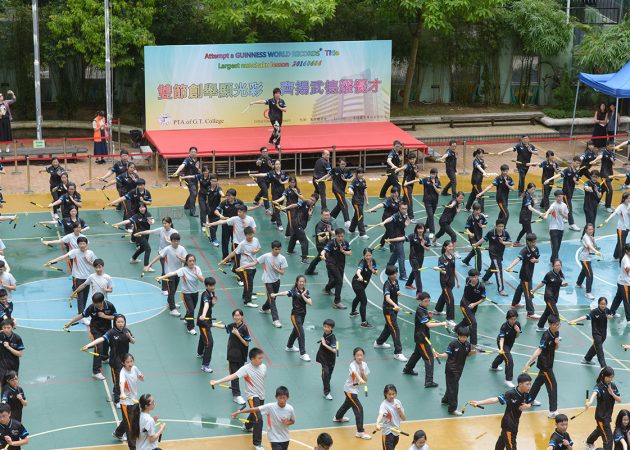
44,304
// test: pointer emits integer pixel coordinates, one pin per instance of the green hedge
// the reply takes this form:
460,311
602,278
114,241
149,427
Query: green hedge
564,114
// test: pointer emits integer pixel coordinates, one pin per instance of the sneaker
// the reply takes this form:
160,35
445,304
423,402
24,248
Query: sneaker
451,323
536,403
254,297
533,316
150,269
496,369
215,243
174,312
199,356
431,236
578,286
552,414
164,292
119,438
432,384
118,405
268,212
305,357
280,228
354,314
98,376
589,296
503,293
403,277
457,412
466,263
134,261
328,396
364,237
240,283
617,315
366,325
540,329
488,283
239,400
206,369
339,306
305,261
277,324
383,345
400,357
410,372
193,331
574,227
313,273
328,292
291,349
251,305
363,435
588,363
262,311
589,446
509,384
438,313
342,420
86,321
346,224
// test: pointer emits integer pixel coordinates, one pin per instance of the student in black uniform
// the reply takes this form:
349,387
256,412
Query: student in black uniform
137,196
432,189
497,240
58,191
13,395
516,401
320,170
323,234
291,195
278,180
393,163
474,229
141,221
447,218
125,182
607,394
560,439
529,256
204,322
119,168
264,163
341,176
553,281
503,184
508,333
101,313
12,432
226,209
450,160
358,190
421,336
418,243
544,356
525,216
409,170
327,355
592,196
190,166
474,295
588,159
390,312
117,339
11,348
70,199
478,172
335,254
599,318
55,171
621,434
456,353
549,170
390,207
277,107
524,151
397,224
301,212
606,170
6,306
300,297
204,182
448,279
367,267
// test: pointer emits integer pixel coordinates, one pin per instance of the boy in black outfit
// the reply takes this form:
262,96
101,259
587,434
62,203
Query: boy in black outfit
474,295
13,395
204,322
11,349
560,439
323,234
327,354
474,229
390,308
390,207
508,333
357,189
335,254
497,240
529,255
456,353
421,336
226,209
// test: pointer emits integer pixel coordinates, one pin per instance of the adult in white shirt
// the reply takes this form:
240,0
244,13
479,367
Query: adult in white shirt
98,281
558,211
623,224
69,240
145,432
245,252
623,286
165,232
586,257
172,257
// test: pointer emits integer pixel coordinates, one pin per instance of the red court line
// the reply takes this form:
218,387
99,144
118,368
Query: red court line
229,297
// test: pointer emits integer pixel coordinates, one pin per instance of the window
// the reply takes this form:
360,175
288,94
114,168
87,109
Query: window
520,65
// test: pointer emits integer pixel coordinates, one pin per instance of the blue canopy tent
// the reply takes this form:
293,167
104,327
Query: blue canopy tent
613,84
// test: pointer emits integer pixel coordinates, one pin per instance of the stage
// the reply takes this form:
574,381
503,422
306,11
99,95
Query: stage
295,139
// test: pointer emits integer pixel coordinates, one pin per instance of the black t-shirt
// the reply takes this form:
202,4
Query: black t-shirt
275,113
276,180
15,430
421,332
457,353
398,224
340,179
334,255
472,293
298,304
324,356
301,214
557,438
236,351
477,174
527,267
98,323
552,281
126,182
67,204
508,333
227,209
322,167
409,174
591,199
366,271
451,160
416,246
549,169
523,154
587,158
526,215
8,361
569,177
266,164
390,207
392,289
447,272
55,175
206,298
449,213
323,227
605,401
430,195
134,197
140,222
118,342
68,224
599,321
119,167
291,194
496,247
548,346
512,400
474,225
608,158
213,197
358,188
503,185
191,166
10,397
395,157
204,184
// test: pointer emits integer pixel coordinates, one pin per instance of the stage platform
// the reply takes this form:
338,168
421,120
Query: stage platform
295,139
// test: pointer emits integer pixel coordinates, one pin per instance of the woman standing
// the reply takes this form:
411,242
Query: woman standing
140,222
525,216
478,172
5,119
607,395
100,143
448,279
367,267
301,297
145,431
600,120
586,257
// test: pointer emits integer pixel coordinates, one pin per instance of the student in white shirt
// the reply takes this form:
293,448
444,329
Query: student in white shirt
357,375
245,252
128,382
144,431
623,286
419,441
280,417
172,257
390,414
191,275
558,211
586,256
165,232
7,281
623,224
69,240
97,282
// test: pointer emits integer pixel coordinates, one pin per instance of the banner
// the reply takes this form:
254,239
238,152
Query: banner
211,86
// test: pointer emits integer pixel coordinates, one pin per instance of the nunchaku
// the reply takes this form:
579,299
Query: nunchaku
585,408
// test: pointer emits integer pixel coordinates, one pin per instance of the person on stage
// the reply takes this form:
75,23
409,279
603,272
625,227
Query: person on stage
277,107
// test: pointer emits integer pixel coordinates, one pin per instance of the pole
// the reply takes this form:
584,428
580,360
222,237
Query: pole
568,10
15,155
157,171
616,117
214,161
108,76
577,92
28,175
465,172
36,74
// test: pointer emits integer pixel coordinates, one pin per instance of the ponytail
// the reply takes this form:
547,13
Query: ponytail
134,417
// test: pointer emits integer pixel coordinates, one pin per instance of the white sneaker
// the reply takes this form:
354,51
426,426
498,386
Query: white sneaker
262,311
254,297
617,315
589,446
457,412
400,357
509,384
552,414
240,283
134,261
609,210
251,305
193,331
342,420
536,403
588,363
364,237
328,396
574,227
174,312
589,296
98,376
438,313
346,224
363,435
280,228
206,369
431,236
305,357
259,447
383,345
291,349
451,323
164,292
496,369
276,323
540,329
239,400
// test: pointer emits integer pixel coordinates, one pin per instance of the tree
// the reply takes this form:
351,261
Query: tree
605,49
277,20
438,15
